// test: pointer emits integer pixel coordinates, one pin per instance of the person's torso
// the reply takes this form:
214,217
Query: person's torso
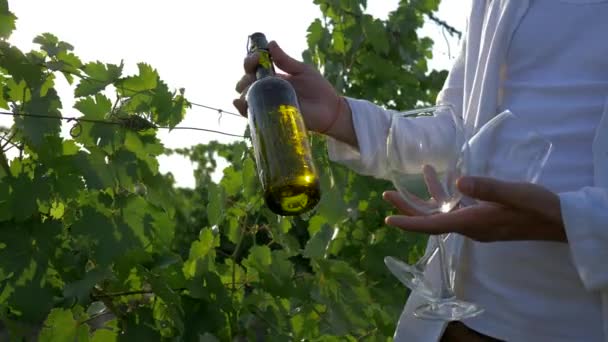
556,80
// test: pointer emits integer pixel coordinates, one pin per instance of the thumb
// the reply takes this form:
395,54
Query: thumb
284,61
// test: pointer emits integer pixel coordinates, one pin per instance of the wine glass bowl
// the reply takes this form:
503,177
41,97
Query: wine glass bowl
424,172
508,138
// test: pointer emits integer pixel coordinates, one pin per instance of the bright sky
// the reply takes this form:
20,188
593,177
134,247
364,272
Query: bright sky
198,45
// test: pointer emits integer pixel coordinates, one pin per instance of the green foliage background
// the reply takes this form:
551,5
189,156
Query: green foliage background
97,245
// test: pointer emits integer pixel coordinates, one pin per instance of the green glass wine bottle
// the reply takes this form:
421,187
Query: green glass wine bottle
282,150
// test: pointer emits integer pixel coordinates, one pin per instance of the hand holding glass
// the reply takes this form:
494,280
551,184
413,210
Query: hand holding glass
497,150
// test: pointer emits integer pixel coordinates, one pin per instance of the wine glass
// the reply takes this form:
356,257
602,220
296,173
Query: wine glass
424,165
504,138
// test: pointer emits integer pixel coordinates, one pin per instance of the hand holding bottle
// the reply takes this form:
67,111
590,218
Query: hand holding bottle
324,111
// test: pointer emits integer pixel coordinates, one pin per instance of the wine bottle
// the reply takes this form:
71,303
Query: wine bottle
282,150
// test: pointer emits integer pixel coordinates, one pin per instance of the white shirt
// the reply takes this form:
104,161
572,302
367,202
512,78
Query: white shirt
473,88
556,80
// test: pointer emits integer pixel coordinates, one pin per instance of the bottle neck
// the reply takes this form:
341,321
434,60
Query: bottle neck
265,67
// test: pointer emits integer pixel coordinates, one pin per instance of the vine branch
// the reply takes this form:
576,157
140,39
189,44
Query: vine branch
451,29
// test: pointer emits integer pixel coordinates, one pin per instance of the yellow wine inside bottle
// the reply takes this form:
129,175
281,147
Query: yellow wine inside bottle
280,141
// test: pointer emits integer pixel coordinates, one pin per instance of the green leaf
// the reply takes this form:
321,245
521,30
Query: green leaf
317,246
339,44
51,44
168,108
57,210
95,108
232,182
274,269
20,66
60,326
35,129
202,255
68,63
99,76
376,34
95,170
100,235
250,179
80,290
104,335
315,224
315,32
146,80
24,267
7,20
260,257
215,208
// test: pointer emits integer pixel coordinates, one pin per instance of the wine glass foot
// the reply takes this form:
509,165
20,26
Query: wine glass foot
448,310
411,277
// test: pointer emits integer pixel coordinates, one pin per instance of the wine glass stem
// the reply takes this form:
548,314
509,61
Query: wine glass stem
430,252
446,289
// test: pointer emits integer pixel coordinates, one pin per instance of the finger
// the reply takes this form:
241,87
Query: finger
241,106
251,63
457,221
395,198
244,82
524,196
285,62
417,224
433,184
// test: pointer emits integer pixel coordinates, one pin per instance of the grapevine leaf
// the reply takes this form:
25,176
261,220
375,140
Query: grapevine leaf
99,76
95,108
319,243
81,289
215,208
315,32
51,44
20,67
100,235
339,44
260,257
68,63
104,335
57,210
60,326
134,85
332,206
274,269
202,255
250,180
139,326
315,224
43,120
7,20
25,195
95,170
232,182
376,34
18,92
24,267
168,108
